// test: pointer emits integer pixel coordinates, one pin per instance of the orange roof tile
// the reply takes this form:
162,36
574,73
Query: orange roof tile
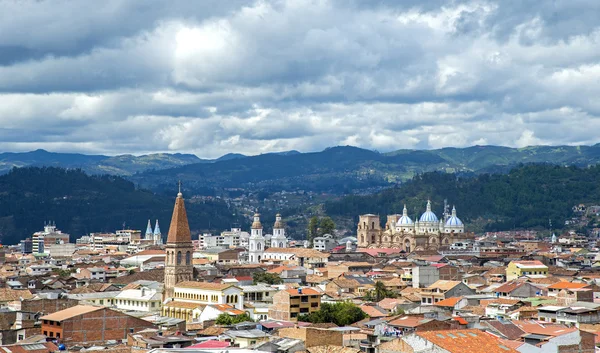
204,285
305,291
472,341
448,302
567,285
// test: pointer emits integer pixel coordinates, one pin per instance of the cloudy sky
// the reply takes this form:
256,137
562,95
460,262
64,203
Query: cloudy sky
212,77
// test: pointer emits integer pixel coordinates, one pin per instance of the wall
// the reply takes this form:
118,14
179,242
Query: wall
424,276
100,326
313,336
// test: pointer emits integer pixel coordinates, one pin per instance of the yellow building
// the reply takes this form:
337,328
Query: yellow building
516,269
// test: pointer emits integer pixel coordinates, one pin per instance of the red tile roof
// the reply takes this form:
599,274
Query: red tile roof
448,302
567,285
472,341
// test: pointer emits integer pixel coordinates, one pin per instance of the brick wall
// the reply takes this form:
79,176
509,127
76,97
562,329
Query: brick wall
47,306
313,336
280,310
100,326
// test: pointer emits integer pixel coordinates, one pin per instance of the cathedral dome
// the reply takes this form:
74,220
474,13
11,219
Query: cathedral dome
428,216
453,220
404,220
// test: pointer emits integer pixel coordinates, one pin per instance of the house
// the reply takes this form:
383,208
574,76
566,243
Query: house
516,269
190,298
90,324
244,338
289,303
516,289
443,289
93,273
413,323
308,258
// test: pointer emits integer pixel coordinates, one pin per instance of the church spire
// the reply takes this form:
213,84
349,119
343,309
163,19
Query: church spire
149,231
179,230
405,211
157,229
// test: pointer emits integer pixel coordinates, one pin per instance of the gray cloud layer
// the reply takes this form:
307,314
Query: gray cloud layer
212,77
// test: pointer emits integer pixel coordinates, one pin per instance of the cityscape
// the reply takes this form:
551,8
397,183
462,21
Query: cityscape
299,176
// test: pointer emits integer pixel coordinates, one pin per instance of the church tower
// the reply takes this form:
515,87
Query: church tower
178,266
278,240
157,235
256,241
149,235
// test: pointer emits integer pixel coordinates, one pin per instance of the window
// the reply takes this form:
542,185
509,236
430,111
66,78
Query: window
188,258
45,333
58,335
179,257
51,334
304,299
314,305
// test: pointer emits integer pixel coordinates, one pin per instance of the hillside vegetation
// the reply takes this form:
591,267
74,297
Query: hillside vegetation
528,196
80,204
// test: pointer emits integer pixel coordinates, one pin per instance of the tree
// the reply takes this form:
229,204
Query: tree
266,277
313,228
226,319
341,314
380,291
327,226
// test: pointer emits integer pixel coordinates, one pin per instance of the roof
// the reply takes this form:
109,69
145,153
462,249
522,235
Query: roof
505,328
204,285
184,305
567,285
211,344
7,294
179,230
529,264
71,312
299,252
409,321
374,311
282,324
509,287
449,302
444,285
30,348
546,329
472,341
305,291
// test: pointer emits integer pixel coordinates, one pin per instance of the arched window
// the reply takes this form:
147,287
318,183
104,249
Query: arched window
281,245
188,258
372,225
179,257
362,238
259,246
251,246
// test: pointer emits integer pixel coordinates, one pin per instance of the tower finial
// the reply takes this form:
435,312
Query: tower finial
179,194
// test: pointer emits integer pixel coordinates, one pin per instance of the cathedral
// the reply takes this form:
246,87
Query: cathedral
428,233
155,235
257,242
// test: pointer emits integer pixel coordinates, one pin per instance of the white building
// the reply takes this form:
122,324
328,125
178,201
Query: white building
256,241
141,299
278,239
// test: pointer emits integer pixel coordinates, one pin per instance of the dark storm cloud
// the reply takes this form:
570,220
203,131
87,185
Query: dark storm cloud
213,77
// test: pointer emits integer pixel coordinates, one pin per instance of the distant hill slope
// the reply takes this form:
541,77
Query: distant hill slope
96,164
528,196
80,204
344,170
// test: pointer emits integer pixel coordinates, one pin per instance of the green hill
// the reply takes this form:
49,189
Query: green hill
80,204
528,196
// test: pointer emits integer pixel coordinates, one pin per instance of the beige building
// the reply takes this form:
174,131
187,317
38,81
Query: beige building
428,233
290,303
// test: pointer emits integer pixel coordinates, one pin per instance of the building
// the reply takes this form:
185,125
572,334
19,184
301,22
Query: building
278,240
516,269
153,235
442,289
324,243
428,233
309,258
43,240
196,301
256,242
178,265
289,303
90,324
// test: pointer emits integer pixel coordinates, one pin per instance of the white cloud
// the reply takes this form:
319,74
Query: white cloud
261,76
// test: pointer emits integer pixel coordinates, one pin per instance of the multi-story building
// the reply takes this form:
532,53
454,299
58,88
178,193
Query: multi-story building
90,324
289,303
43,240
442,289
190,299
516,269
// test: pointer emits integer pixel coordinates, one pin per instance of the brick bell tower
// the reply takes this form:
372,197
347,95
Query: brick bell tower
178,263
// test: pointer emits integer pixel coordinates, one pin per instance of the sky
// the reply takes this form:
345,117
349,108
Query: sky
214,77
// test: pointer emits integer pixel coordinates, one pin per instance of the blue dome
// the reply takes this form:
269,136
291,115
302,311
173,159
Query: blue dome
405,220
454,221
428,216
